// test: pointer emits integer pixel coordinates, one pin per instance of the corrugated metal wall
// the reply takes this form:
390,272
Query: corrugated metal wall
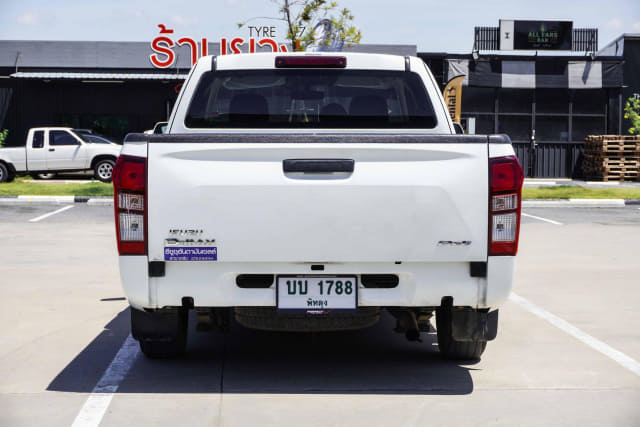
551,159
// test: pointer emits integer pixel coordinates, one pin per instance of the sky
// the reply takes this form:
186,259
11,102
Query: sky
434,26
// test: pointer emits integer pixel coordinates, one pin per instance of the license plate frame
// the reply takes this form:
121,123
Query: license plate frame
282,305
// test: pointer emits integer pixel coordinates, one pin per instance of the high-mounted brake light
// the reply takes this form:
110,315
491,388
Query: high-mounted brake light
311,62
130,204
505,197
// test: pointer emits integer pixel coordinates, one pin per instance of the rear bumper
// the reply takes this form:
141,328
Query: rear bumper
214,284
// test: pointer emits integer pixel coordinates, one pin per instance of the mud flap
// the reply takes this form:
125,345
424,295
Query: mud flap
472,325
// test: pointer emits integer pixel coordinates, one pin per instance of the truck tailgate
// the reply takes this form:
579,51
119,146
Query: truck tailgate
402,202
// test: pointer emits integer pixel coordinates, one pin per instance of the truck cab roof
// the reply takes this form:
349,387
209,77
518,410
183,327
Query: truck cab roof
52,128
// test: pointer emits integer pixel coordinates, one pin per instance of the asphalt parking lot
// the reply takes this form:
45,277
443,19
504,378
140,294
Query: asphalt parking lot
63,319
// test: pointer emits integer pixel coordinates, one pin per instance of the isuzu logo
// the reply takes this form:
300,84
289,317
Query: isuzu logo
187,237
185,232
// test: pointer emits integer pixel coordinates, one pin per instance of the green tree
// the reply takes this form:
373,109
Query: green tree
303,17
632,113
3,136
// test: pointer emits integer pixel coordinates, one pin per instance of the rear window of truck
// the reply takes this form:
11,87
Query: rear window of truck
319,98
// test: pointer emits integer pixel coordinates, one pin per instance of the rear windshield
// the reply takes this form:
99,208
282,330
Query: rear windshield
310,99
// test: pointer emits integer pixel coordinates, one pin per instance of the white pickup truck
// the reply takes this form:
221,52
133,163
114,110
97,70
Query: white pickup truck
59,149
310,192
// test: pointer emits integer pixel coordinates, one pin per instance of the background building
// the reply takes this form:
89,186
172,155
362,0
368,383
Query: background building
547,101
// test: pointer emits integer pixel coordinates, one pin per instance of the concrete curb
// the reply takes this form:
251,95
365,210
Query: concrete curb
98,200
579,203
527,203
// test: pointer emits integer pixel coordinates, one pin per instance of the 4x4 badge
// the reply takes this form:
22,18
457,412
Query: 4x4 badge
453,243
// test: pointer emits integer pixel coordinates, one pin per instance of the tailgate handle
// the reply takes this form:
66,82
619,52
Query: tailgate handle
318,165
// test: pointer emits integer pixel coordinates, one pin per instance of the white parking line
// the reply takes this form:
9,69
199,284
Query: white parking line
96,405
50,214
542,219
619,357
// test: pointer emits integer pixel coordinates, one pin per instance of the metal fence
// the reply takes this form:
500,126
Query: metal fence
551,159
486,38
585,40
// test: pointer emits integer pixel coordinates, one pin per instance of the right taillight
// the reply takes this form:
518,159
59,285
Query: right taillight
505,197
130,204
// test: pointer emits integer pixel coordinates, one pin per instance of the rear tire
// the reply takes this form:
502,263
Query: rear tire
161,334
451,348
4,173
104,169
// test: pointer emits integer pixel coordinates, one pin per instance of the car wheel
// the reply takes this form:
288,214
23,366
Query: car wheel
161,334
4,173
44,175
104,169
451,348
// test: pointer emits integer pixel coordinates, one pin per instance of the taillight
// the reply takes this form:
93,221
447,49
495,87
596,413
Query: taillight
505,197
311,61
130,202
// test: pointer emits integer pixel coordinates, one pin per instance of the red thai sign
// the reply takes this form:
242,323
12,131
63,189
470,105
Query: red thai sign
165,57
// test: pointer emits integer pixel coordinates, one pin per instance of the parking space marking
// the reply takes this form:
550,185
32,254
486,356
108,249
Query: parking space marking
50,214
619,357
96,405
541,219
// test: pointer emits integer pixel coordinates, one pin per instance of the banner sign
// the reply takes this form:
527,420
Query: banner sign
162,46
535,35
453,97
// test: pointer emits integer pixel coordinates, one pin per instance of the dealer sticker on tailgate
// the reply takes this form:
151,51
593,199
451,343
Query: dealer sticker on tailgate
317,294
191,253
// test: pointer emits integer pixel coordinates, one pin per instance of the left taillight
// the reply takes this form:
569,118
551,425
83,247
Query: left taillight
130,204
505,200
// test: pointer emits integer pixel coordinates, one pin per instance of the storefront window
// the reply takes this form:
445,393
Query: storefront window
478,99
552,101
515,100
552,128
589,101
484,123
517,127
584,126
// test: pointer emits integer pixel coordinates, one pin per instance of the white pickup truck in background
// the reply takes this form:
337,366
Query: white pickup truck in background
310,192
59,149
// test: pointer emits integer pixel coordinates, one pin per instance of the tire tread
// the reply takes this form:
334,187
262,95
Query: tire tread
451,348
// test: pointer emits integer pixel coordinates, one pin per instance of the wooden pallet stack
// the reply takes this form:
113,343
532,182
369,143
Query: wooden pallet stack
612,158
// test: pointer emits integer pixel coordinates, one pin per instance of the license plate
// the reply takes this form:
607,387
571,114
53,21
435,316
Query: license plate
317,294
